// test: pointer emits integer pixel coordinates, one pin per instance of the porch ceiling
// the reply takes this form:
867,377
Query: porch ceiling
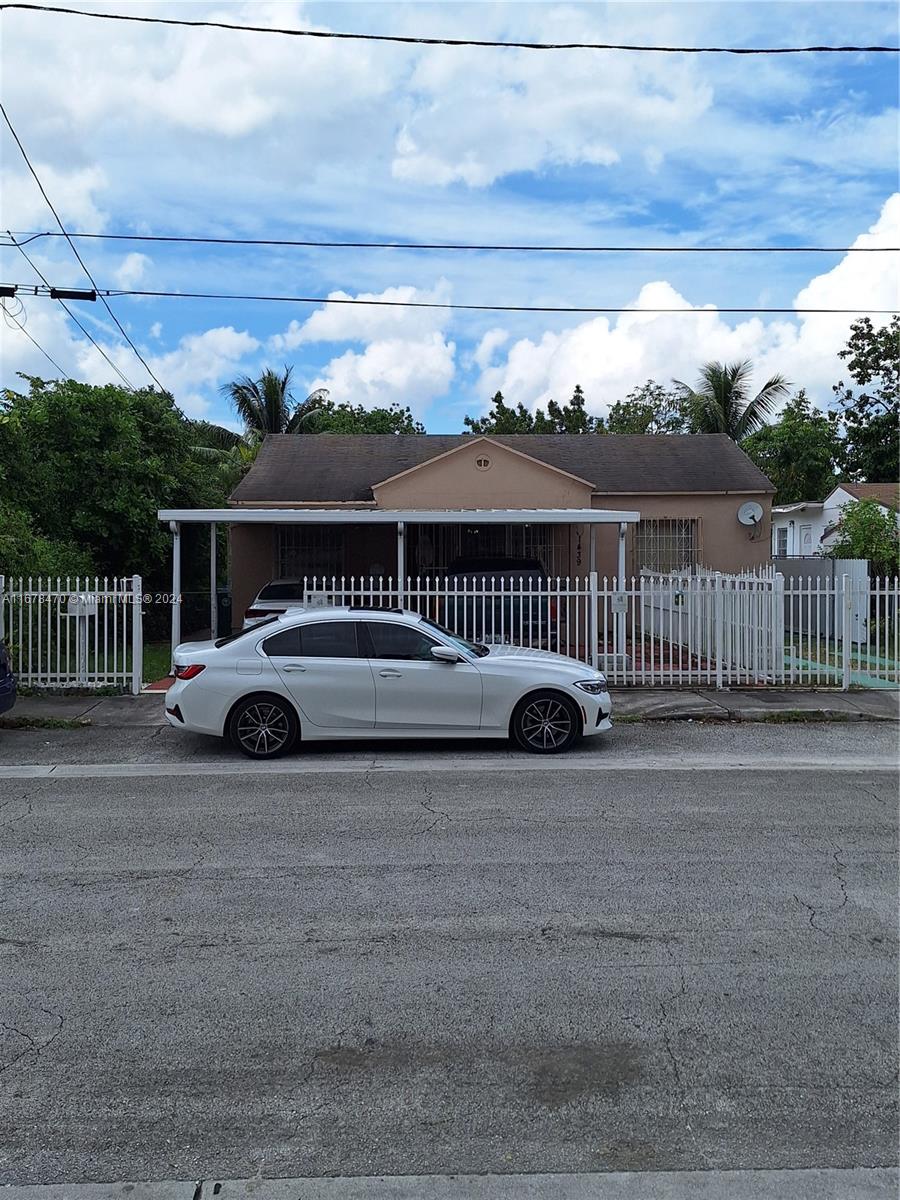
455,516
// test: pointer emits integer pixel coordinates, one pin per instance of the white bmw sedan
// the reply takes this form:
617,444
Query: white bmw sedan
330,673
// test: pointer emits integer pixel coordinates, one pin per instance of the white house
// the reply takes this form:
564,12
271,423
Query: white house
805,528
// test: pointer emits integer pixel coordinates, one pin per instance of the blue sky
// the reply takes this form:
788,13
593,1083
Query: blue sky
140,129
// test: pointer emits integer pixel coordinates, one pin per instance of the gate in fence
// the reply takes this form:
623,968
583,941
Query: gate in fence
79,632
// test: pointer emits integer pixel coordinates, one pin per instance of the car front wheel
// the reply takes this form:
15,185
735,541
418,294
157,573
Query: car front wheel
263,727
546,723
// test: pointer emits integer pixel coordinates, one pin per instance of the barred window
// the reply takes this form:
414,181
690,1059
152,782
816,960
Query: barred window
781,542
667,544
307,550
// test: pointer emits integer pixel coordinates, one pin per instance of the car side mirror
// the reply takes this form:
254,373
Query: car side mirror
445,654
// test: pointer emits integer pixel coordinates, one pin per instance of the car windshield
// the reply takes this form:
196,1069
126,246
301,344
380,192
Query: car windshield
475,648
255,628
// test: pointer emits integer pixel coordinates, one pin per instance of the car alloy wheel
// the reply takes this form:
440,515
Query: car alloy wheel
546,724
263,729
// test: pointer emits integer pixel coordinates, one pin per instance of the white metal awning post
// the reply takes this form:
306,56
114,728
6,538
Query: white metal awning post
176,585
213,597
401,561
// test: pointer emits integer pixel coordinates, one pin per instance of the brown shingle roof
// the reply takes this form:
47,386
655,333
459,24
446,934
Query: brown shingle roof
341,468
887,494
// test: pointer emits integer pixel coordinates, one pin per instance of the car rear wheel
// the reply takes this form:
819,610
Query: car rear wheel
546,723
263,727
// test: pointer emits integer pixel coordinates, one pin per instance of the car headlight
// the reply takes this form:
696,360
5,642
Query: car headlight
593,686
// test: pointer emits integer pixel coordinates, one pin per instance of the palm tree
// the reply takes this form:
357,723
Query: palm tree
266,405
721,402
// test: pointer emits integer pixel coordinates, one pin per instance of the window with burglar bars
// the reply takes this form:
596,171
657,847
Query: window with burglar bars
667,544
307,550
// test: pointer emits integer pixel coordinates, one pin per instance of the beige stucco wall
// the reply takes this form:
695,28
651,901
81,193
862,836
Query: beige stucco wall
511,481
725,544
251,565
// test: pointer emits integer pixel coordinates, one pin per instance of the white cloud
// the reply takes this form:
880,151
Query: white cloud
202,360
488,346
156,329
131,270
401,370
361,323
72,192
200,363
609,358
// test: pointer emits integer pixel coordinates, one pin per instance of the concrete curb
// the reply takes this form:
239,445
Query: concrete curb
858,1183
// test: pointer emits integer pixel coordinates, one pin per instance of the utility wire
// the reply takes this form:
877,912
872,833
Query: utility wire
433,41
72,317
22,239
84,267
437,304
8,315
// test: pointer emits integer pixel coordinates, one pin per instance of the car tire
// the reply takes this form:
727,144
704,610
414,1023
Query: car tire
263,727
546,723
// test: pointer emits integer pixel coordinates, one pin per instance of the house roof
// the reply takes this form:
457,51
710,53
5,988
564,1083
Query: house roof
342,468
887,494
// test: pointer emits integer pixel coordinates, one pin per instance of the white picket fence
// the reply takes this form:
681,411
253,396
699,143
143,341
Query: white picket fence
708,629
74,632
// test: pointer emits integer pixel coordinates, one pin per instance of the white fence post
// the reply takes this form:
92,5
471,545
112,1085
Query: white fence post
846,626
594,625
137,635
719,618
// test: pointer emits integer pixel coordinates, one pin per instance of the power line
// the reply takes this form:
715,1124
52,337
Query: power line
433,41
7,314
72,317
447,305
23,239
81,261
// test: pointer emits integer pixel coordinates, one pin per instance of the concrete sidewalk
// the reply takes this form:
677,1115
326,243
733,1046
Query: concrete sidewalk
629,704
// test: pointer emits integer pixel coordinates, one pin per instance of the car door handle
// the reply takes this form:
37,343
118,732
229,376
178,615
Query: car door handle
293,667
391,674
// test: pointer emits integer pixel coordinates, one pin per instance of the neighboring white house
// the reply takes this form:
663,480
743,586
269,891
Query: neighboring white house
805,528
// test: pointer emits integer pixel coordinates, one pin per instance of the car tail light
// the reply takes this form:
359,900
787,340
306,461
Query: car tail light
190,671
253,613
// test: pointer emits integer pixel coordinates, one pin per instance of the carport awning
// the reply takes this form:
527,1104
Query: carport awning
400,518
384,516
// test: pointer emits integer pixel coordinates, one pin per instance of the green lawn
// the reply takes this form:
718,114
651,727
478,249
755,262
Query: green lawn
157,660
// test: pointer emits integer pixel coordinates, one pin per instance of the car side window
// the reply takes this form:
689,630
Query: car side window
399,642
324,639
329,639
285,644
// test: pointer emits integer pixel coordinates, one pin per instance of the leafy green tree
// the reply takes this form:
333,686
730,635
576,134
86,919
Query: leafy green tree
799,452
353,418
90,466
721,401
267,405
559,418
650,408
871,416
866,531
24,552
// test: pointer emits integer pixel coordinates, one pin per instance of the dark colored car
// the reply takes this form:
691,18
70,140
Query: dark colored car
511,605
7,680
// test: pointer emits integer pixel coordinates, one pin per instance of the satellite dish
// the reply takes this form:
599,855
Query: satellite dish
750,513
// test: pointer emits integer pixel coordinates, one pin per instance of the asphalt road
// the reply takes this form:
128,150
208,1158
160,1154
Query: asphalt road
432,970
